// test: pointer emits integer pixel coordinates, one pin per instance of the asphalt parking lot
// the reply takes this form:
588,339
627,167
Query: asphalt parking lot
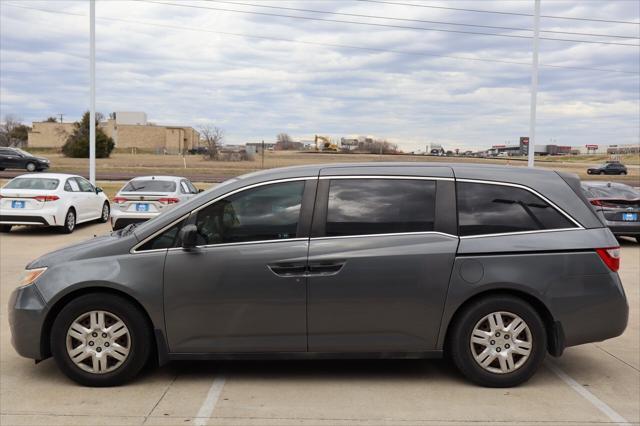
590,384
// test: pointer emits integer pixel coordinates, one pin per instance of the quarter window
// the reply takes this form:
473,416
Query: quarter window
380,206
169,238
268,212
493,209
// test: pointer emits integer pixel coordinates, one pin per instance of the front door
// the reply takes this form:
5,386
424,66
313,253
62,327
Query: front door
244,288
379,263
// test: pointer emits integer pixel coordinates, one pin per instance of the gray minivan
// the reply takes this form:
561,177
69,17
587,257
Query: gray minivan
494,266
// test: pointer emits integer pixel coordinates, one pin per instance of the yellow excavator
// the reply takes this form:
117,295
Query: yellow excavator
326,145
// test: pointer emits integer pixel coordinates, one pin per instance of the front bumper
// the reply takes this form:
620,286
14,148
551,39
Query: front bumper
26,318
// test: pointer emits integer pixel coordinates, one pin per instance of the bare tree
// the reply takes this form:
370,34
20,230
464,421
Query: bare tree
212,137
12,131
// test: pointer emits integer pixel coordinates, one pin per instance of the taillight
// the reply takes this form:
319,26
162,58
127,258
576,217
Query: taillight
119,200
45,198
610,256
169,200
596,202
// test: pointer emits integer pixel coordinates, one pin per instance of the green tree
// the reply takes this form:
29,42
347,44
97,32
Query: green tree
51,119
77,144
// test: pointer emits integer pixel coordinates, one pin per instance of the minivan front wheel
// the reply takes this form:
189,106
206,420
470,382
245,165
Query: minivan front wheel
498,341
100,340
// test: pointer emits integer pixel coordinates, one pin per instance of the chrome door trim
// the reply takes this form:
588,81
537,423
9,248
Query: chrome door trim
401,177
393,234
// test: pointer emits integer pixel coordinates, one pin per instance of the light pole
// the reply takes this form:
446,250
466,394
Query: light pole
534,85
92,102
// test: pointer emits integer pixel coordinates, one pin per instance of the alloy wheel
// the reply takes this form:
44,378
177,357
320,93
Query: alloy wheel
98,342
105,212
71,220
501,342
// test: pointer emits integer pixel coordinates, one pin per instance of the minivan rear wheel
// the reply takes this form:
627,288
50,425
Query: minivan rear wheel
498,341
100,340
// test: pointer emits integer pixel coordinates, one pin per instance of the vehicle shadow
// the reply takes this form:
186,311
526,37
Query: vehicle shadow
318,370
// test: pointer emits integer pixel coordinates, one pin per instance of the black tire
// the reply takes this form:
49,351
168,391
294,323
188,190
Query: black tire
30,167
459,341
69,225
623,173
5,228
638,240
134,319
1,169
103,218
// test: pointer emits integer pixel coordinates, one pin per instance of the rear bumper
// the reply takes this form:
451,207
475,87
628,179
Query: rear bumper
627,229
26,317
120,219
590,308
35,218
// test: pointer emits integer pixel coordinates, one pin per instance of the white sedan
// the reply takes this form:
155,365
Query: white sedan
51,199
145,197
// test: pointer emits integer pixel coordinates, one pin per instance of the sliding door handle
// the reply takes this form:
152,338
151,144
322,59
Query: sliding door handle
325,268
288,269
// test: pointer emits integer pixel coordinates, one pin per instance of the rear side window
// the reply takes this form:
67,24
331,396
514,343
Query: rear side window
493,209
380,206
149,186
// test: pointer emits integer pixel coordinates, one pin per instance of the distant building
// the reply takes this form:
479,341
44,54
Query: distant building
256,147
129,130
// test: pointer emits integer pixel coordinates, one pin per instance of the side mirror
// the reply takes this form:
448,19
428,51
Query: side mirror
98,190
189,237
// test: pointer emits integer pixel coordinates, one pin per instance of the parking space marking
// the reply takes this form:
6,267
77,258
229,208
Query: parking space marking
594,400
209,404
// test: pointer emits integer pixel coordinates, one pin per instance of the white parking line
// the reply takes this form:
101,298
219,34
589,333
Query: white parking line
594,400
209,404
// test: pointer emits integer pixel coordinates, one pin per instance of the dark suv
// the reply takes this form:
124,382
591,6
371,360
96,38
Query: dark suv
608,168
15,158
492,265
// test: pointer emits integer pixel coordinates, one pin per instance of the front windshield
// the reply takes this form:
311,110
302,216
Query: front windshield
23,152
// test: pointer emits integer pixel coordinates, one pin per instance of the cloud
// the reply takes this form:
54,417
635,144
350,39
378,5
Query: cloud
255,85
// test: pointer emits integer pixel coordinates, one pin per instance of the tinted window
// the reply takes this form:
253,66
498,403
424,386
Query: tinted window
268,212
35,183
150,186
169,238
492,209
380,206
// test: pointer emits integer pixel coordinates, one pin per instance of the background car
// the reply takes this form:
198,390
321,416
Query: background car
617,204
51,199
608,168
15,158
145,197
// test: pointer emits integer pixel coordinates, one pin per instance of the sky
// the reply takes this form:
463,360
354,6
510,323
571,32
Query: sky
256,75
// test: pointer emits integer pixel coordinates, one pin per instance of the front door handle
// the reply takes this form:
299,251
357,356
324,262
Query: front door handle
288,269
325,268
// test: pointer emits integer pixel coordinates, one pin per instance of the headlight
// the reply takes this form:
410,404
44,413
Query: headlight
30,275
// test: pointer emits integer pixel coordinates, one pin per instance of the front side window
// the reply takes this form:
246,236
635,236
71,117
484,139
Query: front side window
380,206
268,212
167,239
493,209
